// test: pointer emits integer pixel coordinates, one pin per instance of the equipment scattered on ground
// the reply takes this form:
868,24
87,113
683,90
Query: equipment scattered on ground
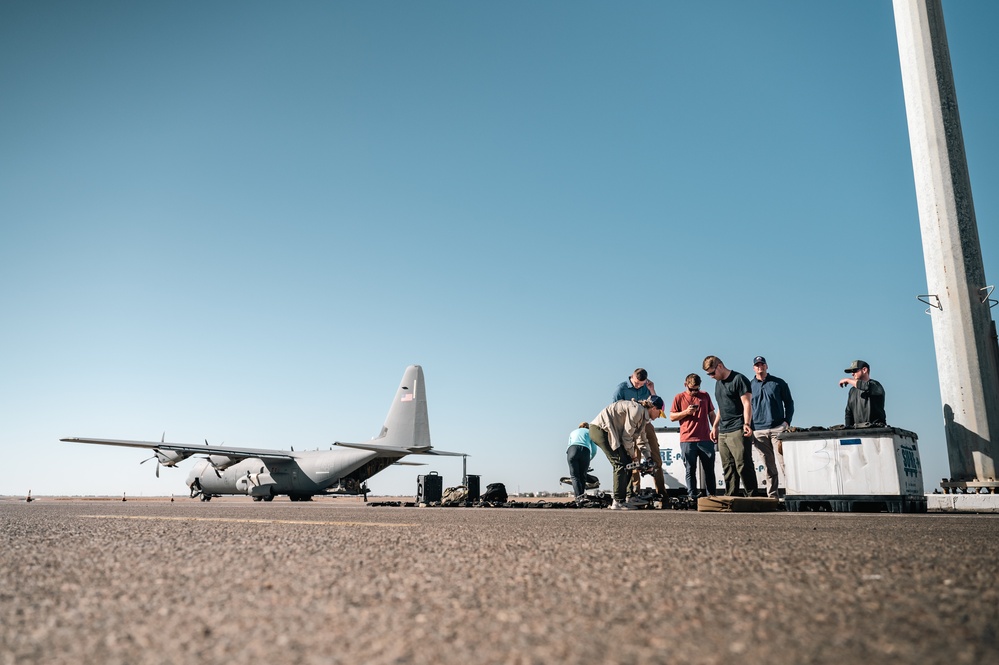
429,488
455,495
592,482
495,493
681,503
472,483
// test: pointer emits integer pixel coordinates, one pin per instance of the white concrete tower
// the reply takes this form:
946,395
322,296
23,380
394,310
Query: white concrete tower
963,331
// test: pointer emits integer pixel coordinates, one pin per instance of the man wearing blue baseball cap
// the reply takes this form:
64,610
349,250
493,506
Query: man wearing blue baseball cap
773,408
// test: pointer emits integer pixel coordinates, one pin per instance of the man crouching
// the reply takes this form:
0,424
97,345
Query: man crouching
620,432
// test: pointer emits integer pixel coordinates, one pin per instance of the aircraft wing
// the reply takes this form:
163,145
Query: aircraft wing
396,450
434,451
232,453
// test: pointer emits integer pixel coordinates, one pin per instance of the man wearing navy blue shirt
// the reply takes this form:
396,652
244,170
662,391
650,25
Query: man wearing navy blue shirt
773,408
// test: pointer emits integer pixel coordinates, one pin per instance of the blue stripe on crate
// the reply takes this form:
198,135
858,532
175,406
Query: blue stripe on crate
849,442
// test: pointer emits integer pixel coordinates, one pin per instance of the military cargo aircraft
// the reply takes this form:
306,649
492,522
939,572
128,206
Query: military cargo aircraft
264,474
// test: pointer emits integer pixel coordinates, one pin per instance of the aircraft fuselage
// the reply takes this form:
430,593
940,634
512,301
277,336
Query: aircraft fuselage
310,472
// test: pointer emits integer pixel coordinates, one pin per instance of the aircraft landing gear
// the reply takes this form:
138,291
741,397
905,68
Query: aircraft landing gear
206,497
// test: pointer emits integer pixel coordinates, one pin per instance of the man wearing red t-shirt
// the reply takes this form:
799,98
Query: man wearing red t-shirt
695,413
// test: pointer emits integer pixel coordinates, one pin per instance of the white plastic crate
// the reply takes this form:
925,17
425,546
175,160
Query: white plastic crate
864,462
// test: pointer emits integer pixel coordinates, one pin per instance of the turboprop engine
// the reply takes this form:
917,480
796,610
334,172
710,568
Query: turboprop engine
221,462
170,457
166,458
257,485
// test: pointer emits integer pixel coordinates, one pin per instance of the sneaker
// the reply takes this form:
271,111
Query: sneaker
617,505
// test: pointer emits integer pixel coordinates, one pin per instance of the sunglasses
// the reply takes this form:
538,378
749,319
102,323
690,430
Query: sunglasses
710,372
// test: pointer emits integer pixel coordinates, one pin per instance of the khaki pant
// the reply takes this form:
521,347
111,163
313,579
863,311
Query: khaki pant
768,443
657,460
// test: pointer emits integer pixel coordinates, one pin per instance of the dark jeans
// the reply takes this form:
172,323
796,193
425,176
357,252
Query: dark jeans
704,451
579,462
619,459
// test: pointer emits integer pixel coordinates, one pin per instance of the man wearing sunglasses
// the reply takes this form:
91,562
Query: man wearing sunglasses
865,405
733,426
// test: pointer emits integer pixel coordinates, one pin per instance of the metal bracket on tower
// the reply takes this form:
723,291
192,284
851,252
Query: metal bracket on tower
985,299
925,299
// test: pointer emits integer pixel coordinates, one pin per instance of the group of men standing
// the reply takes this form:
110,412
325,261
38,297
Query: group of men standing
750,413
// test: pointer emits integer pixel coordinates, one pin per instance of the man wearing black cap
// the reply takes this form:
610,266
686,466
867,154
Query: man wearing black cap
619,431
639,387
865,405
773,408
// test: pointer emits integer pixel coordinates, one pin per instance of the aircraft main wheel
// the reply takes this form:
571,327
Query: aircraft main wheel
206,497
269,497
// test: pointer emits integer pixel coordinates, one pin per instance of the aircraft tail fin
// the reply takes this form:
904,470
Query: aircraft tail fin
407,424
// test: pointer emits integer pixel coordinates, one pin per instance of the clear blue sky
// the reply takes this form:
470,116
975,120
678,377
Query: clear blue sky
240,221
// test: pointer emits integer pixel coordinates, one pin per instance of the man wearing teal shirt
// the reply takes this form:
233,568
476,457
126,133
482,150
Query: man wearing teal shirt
580,453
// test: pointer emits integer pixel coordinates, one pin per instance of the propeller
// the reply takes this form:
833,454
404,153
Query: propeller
162,440
218,474
157,464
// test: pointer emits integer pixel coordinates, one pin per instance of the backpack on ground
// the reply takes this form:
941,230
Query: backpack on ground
454,495
495,493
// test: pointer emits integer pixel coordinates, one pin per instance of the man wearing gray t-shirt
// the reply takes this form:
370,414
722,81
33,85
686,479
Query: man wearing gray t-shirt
733,426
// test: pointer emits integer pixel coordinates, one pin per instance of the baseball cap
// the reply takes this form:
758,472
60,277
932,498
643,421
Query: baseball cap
759,359
856,365
657,402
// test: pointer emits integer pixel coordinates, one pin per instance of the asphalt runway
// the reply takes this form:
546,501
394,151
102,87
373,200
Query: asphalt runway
339,582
